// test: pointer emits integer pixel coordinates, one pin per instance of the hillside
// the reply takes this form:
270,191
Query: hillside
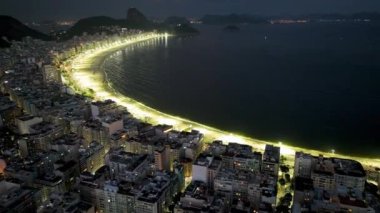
373,16
137,20
12,29
4,43
92,25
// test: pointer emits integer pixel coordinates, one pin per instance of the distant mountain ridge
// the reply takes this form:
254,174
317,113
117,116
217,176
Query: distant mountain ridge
252,19
232,19
135,20
374,16
13,29
91,25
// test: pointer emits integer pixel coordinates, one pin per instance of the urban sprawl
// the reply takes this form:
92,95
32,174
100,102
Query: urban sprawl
63,150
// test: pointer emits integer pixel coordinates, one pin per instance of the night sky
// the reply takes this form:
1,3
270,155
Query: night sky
28,10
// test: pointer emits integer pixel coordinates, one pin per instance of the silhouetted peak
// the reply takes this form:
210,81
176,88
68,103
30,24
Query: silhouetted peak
135,17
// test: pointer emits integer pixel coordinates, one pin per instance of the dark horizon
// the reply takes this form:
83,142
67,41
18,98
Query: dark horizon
41,10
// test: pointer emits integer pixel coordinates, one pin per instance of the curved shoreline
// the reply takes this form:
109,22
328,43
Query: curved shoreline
89,75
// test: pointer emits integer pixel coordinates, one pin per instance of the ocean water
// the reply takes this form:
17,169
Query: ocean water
312,85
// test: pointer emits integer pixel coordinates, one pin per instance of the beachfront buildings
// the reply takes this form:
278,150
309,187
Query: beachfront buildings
329,184
62,151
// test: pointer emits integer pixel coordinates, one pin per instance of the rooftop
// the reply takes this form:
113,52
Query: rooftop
26,118
302,184
103,103
68,165
68,139
11,193
154,188
272,154
132,160
348,167
197,190
204,160
346,200
43,127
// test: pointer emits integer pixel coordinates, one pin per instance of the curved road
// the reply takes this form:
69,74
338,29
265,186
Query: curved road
88,74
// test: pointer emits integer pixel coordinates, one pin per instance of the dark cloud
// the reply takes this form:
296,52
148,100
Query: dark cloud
54,9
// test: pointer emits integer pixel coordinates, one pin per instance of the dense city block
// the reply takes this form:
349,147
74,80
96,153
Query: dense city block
65,150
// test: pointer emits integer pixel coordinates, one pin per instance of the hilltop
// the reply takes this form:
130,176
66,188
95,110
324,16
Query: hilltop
137,20
91,25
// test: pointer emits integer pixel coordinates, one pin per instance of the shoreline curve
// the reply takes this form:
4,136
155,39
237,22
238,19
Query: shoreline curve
88,74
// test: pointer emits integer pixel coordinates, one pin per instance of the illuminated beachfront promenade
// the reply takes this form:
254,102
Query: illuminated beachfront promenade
87,74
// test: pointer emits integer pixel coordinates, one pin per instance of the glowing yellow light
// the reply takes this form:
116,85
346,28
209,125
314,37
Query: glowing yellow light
86,76
286,150
232,138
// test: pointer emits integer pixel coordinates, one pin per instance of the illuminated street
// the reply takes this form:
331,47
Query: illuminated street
87,74
189,106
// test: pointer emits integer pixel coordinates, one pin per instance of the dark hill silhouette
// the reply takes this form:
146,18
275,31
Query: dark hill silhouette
4,43
91,25
13,29
136,19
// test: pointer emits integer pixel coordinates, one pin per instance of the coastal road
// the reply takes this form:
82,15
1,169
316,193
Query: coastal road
87,74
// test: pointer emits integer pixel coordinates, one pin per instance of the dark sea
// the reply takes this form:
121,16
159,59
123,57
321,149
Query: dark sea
314,85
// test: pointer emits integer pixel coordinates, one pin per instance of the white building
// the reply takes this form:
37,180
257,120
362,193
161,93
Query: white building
205,168
112,123
51,74
24,123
